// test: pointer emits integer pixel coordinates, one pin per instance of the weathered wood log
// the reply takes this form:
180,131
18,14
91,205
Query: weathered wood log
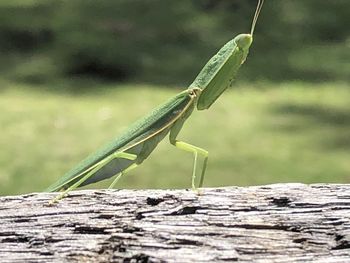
273,223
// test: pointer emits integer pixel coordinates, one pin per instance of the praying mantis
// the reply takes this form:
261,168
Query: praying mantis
136,143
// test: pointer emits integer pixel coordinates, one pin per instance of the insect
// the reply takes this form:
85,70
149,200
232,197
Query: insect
137,142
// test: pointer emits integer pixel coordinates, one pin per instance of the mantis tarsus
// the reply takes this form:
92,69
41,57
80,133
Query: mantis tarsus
133,146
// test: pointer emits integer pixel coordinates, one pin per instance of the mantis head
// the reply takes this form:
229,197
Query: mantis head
218,73
243,41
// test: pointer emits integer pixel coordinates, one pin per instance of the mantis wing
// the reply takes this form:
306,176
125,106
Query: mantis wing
140,139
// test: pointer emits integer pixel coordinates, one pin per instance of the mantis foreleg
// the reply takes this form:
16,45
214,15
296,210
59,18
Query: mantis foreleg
189,148
195,150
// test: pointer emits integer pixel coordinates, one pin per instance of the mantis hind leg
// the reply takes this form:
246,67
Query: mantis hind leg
131,167
101,164
195,150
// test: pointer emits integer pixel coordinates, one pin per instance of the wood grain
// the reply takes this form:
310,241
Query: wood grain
272,223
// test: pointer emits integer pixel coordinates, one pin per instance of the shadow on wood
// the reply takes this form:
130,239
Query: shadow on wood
279,223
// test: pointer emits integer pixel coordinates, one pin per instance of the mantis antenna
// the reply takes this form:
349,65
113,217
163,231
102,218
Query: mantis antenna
256,15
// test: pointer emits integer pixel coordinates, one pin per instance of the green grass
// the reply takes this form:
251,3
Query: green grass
256,134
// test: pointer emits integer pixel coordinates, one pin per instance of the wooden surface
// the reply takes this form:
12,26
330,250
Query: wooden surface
273,223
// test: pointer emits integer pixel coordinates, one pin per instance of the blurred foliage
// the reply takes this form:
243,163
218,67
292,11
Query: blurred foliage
258,133
261,132
165,41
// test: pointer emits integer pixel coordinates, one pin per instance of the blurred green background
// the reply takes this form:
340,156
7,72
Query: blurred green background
74,74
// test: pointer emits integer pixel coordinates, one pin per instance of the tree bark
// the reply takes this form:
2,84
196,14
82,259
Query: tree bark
272,223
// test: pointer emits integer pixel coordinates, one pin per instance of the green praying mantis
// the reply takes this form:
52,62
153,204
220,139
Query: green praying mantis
136,143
